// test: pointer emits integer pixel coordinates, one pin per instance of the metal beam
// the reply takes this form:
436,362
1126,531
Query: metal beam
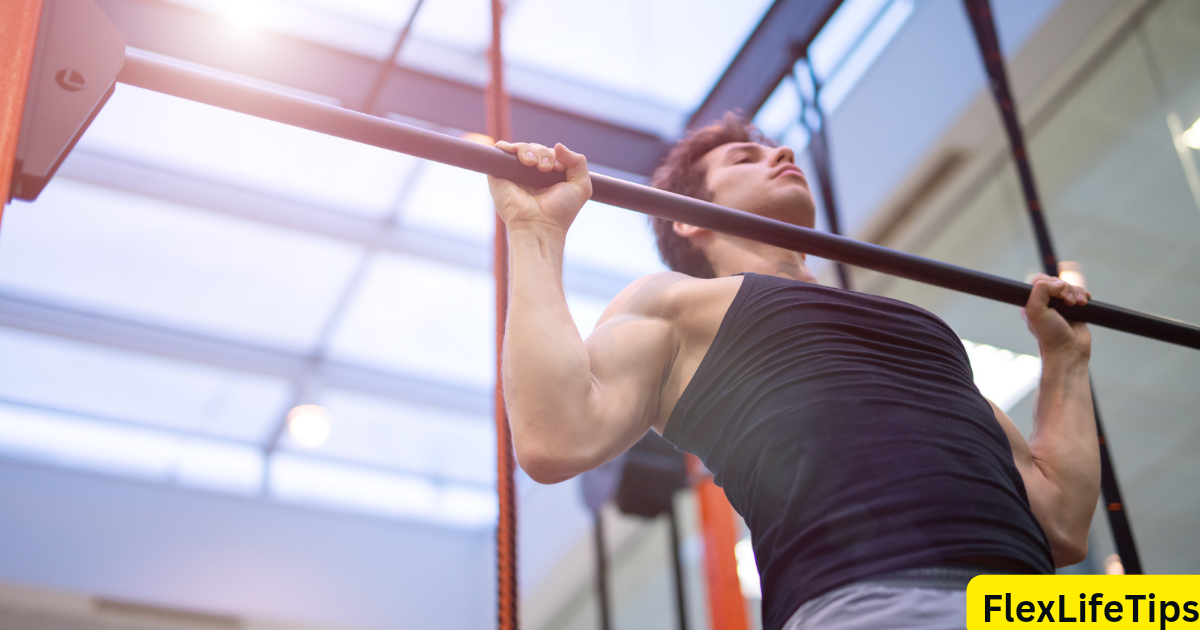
158,182
781,38
198,37
319,456
18,38
17,311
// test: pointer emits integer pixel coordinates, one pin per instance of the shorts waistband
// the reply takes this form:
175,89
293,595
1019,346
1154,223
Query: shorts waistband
947,578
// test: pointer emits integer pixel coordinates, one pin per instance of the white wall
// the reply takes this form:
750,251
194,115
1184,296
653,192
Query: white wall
214,553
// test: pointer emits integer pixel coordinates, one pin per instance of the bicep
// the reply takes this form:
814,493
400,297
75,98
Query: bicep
629,355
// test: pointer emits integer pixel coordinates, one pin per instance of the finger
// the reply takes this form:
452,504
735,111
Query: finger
1039,299
1058,288
525,153
546,159
507,147
1081,296
576,167
1062,290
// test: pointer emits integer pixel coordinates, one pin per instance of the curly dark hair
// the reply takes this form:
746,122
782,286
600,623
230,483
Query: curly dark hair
682,173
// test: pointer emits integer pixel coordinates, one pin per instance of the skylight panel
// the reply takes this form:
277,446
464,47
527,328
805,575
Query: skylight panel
219,465
311,481
94,380
840,55
467,507
308,480
841,33
74,442
452,201
797,137
781,110
248,152
416,439
365,27
856,65
462,24
167,264
637,48
612,239
423,318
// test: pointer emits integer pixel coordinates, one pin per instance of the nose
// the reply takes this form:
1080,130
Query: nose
783,154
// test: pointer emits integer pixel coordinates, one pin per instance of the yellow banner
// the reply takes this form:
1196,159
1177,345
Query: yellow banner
1084,601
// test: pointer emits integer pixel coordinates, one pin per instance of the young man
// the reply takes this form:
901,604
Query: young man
844,427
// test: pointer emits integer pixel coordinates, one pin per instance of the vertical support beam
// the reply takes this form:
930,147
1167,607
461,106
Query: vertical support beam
818,148
602,601
385,68
677,567
18,39
984,26
726,605
499,127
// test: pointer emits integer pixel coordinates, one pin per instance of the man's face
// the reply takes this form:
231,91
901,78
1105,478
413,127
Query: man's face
761,180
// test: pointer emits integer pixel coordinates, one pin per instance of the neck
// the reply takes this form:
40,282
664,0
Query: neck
730,255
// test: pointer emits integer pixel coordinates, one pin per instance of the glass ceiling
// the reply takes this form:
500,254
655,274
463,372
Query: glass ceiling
665,54
103,251
173,334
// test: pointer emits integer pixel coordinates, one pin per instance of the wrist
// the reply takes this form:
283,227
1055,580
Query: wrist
536,231
1065,359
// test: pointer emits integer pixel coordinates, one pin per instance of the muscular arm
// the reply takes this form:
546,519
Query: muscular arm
1061,462
572,405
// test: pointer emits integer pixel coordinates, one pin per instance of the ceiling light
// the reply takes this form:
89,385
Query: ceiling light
747,570
1072,272
479,138
1191,137
246,13
308,425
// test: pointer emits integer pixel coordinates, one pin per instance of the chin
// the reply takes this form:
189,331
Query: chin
798,211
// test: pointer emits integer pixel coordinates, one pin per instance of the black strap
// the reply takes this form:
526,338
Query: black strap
982,22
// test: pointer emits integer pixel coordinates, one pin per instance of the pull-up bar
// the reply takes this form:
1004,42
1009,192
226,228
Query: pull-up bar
147,72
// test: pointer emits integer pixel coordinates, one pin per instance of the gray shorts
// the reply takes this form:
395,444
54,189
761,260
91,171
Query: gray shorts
926,599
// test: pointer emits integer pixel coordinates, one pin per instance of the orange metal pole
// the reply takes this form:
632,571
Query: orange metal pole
18,38
499,128
726,605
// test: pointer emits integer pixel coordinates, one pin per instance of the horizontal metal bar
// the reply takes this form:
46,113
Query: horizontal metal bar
161,76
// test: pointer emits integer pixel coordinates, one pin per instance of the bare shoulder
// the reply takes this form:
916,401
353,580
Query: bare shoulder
667,295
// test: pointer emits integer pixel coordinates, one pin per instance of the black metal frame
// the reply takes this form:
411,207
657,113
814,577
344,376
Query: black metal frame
984,26
781,37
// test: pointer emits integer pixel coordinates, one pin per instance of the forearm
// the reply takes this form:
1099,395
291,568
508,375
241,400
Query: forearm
546,370
1064,444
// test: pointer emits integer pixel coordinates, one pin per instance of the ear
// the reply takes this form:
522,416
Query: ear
688,231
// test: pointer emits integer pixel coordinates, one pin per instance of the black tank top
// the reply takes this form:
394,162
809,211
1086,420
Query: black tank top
846,429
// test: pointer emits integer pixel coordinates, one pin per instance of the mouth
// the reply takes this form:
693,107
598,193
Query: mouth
786,169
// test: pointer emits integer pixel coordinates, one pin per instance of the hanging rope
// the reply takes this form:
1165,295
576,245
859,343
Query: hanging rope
499,128
984,25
